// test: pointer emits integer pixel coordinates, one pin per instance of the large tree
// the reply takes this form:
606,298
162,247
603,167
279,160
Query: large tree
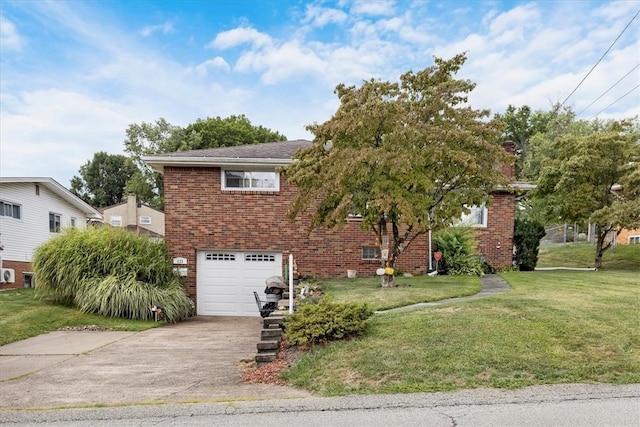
162,137
102,180
408,157
520,125
591,172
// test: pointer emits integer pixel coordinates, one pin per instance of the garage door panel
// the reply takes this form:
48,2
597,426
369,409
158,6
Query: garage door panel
226,280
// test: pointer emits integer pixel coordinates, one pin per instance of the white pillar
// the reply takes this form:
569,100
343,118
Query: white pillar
290,283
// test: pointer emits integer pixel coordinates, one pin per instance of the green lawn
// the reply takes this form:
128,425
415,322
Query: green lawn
621,257
24,316
553,327
410,290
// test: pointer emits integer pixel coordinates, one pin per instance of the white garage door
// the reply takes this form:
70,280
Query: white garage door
226,281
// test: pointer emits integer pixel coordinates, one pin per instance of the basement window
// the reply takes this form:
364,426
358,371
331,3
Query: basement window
634,240
370,253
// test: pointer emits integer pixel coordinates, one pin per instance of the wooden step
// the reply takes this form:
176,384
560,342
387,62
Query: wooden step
272,320
266,346
271,334
263,358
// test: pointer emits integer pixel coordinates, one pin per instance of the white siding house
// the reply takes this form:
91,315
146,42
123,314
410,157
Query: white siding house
32,210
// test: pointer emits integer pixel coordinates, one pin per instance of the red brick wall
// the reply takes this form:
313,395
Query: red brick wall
200,216
496,240
20,268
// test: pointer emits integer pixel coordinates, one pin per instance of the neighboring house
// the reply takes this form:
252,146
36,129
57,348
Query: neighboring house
628,237
136,217
226,226
32,210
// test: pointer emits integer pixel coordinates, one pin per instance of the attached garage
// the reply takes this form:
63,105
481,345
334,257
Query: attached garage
226,281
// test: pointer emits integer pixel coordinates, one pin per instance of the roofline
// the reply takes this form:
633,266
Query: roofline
160,162
58,189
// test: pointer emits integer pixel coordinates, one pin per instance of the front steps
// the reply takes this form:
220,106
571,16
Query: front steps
270,337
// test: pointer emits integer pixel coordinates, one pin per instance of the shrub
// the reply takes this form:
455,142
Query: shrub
458,248
131,273
526,239
325,321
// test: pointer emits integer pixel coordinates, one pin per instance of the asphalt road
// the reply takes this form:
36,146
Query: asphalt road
573,405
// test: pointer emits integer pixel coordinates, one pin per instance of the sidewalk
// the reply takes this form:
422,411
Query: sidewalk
492,284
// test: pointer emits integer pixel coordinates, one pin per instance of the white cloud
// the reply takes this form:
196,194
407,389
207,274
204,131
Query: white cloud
10,39
240,36
217,63
166,28
322,16
373,8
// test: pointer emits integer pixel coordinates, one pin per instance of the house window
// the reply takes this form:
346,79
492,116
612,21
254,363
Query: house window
250,180
11,210
54,222
72,223
634,240
115,220
370,253
37,190
145,220
477,217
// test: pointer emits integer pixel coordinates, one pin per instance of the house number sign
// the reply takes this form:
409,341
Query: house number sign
180,261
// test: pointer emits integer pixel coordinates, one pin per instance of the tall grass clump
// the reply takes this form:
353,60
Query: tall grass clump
111,272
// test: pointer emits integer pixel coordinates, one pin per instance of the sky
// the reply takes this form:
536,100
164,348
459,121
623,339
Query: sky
74,75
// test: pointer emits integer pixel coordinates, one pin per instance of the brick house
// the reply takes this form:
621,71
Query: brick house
226,227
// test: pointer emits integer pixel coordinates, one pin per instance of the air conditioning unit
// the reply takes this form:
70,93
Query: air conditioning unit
7,275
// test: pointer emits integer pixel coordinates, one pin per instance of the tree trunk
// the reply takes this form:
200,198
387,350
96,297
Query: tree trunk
601,246
389,281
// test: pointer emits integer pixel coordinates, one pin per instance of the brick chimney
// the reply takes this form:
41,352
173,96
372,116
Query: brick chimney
509,169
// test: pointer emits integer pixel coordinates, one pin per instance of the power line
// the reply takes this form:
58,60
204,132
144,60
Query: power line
636,87
601,58
606,91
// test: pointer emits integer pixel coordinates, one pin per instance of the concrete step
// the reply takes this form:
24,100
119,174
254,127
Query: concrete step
267,346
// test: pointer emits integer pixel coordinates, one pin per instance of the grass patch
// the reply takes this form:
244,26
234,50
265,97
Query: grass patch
621,257
24,316
410,290
553,327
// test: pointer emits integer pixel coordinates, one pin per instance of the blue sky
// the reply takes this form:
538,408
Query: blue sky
74,75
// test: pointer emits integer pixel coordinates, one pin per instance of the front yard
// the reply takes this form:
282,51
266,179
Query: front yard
553,327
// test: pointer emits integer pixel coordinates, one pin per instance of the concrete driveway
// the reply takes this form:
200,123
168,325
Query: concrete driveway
200,359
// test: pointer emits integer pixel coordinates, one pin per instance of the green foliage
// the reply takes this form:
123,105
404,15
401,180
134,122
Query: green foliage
395,153
458,248
129,273
326,321
129,298
591,173
526,239
102,180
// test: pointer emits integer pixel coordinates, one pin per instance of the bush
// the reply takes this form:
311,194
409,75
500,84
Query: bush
526,239
124,274
458,248
325,321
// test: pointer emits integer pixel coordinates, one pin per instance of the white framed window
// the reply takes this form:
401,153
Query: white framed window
11,210
477,217
72,223
145,220
370,253
115,220
634,240
54,222
250,180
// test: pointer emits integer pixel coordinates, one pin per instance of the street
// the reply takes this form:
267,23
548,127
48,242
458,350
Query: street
557,405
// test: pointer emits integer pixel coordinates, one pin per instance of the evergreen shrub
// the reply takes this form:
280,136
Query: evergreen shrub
326,321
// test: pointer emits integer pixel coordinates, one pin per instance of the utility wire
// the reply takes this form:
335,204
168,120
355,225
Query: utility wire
637,86
606,91
601,58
